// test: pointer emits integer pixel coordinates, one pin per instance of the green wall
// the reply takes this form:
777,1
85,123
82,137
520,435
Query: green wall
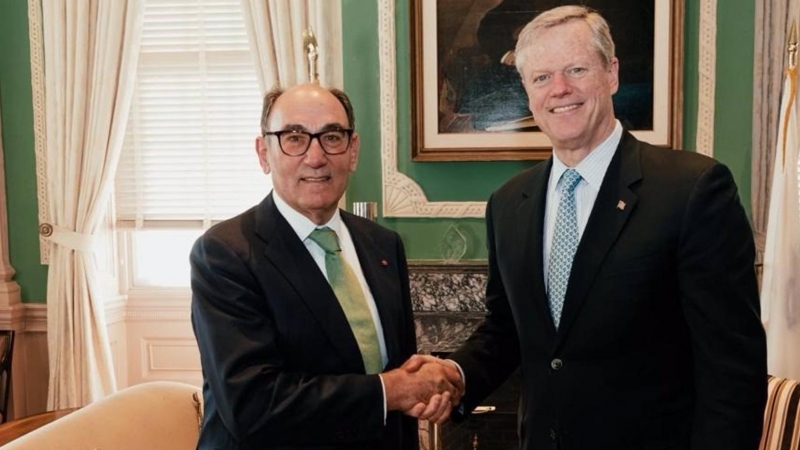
20,161
442,181
733,121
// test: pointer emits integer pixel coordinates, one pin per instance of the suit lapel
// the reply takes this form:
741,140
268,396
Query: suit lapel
291,258
614,205
531,212
381,280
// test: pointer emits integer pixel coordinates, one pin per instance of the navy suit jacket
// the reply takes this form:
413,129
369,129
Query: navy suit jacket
281,365
660,344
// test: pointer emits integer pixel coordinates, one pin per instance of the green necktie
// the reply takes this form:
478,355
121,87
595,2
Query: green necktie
351,297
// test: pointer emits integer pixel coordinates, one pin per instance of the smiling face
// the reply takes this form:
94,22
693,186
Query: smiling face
569,88
313,183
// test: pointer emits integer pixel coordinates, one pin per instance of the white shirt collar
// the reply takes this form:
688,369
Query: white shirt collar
301,224
593,167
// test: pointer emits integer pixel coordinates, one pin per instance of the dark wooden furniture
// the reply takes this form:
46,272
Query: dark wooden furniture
19,427
6,356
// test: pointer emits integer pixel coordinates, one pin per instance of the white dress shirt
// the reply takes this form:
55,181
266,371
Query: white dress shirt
592,170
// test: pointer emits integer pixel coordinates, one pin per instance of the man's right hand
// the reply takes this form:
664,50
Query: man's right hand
425,387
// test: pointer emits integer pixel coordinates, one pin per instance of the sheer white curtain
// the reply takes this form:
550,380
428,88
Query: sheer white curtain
90,49
275,29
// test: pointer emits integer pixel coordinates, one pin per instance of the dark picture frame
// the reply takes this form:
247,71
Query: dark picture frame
466,105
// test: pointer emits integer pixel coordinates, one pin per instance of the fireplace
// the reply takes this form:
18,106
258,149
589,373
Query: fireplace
448,305
492,425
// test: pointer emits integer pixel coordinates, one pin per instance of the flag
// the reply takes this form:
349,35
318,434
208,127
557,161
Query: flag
780,287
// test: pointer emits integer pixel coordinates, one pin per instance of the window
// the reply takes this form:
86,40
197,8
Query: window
188,158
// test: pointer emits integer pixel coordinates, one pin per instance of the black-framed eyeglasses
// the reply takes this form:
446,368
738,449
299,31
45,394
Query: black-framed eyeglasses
297,142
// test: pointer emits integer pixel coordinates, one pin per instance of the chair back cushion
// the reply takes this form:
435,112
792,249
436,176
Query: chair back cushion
159,415
781,417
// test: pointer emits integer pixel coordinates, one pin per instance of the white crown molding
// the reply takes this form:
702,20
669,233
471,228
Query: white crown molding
402,196
39,123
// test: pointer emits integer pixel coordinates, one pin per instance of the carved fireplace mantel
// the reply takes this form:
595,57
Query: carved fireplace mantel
447,299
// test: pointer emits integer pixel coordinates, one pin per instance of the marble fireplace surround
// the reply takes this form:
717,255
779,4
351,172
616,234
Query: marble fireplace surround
448,302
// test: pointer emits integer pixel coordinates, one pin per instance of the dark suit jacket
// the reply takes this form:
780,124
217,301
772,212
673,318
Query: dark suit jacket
281,366
660,345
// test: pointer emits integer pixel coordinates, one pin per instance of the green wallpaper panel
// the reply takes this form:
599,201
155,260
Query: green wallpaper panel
733,116
20,162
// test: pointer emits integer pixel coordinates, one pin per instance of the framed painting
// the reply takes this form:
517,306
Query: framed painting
467,100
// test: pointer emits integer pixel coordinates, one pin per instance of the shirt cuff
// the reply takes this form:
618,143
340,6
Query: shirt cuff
460,371
460,406
383,389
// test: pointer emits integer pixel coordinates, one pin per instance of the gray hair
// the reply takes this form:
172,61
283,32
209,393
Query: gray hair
601,33
272,96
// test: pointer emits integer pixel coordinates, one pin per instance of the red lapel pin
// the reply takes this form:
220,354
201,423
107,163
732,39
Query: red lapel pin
384,262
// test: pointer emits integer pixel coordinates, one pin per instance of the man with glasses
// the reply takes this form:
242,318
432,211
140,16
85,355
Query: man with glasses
302,312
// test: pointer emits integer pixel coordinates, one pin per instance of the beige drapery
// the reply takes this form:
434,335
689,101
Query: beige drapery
772,22
275,29
91,50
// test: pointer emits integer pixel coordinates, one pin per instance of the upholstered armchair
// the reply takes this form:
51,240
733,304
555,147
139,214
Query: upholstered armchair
159,415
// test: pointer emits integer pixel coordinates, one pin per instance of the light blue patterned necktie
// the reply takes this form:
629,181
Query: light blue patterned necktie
565,243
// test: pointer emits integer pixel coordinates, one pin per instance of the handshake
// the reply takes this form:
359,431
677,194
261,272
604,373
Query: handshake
424,387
